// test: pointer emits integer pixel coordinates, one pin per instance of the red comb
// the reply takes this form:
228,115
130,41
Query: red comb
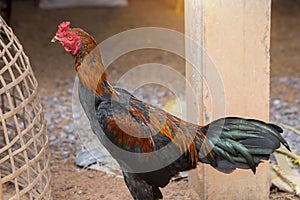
63,27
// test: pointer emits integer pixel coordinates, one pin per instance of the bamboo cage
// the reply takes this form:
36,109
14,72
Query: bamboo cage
24,152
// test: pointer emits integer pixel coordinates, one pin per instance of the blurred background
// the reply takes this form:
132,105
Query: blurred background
35,23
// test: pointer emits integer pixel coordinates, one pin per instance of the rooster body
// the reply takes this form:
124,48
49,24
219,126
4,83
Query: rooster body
120,119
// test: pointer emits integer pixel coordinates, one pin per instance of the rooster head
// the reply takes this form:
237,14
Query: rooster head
68,37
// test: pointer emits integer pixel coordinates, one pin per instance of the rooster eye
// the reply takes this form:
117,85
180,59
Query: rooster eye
70,37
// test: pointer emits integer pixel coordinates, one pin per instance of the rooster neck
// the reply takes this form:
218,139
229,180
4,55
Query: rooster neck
90,69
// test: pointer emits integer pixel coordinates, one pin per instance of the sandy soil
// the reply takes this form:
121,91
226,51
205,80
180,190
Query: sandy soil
53,67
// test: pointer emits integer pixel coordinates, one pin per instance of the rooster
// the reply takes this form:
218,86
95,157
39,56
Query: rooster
120,119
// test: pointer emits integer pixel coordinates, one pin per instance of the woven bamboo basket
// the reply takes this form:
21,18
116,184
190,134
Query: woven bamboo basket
24,152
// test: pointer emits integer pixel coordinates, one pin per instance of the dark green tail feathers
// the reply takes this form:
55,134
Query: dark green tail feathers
240,143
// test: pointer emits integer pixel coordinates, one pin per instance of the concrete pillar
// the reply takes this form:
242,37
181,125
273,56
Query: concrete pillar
235,34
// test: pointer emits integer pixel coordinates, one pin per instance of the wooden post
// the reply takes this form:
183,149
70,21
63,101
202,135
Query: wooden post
236,37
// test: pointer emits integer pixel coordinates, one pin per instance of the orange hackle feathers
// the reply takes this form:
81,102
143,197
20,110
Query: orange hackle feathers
176,130
89,66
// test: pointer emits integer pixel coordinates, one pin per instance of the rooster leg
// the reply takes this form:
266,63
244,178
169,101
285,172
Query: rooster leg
140,189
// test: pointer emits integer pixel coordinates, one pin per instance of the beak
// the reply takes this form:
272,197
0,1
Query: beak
55,39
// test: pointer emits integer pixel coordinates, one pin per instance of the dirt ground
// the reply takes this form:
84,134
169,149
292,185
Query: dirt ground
55,73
